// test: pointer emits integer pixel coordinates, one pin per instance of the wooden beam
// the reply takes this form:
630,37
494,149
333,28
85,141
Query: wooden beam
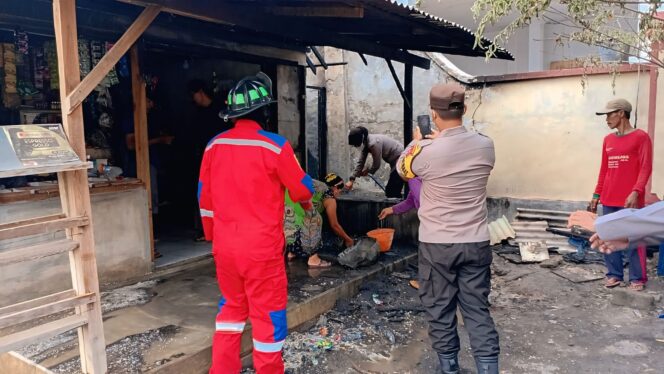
92,80
15,318
42,227
317,11
45,169
75,197
246,17
29,304
20,339
398,83
37,251
142,142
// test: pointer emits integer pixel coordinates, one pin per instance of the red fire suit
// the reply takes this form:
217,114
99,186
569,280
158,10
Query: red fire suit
241,196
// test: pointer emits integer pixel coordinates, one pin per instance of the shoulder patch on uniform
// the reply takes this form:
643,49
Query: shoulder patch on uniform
405,168
276,138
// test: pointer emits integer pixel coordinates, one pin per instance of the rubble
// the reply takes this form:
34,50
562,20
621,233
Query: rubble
552,262
126,355
632,299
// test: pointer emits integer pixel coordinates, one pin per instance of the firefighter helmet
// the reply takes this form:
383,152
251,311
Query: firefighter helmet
249,94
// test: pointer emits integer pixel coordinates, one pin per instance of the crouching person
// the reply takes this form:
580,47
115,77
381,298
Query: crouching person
454,253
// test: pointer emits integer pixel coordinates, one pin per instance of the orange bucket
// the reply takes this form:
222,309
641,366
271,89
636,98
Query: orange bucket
383,238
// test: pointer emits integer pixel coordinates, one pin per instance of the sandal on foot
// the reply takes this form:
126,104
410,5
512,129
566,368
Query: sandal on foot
321,265
612,282
636,286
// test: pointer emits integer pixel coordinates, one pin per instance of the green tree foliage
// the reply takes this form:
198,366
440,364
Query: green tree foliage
628,27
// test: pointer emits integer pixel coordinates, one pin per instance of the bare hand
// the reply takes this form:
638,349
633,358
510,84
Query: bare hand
608,246
632,200
593,205
417,134
385,213
364,172
434,134
582,218
349,242
349,185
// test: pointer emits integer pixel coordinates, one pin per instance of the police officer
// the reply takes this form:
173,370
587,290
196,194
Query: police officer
454,252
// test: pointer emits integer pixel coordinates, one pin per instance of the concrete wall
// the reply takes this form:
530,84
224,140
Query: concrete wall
363,95
548,139
120,225
287,96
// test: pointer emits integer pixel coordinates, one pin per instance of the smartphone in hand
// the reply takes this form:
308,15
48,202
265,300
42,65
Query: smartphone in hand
424,123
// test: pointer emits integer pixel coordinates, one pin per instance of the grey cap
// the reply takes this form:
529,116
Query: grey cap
615,105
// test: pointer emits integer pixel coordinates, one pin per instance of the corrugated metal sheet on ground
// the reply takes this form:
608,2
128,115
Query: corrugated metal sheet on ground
500,230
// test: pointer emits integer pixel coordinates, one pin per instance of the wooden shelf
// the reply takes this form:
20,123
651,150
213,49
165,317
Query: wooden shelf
46,169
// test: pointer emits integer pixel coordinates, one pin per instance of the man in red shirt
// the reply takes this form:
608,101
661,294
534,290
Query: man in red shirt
243,178
625,171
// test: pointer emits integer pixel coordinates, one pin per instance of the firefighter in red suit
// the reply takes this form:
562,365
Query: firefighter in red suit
241,195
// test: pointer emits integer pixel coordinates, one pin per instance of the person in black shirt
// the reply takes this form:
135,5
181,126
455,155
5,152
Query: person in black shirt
205,125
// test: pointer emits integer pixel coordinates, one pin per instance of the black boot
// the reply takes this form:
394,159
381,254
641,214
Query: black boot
449,363
487,365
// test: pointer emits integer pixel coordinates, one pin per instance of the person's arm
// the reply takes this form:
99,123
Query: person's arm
405,205
633,224
377,156
330,205
204,199
359,167
645,170
600,179
300,186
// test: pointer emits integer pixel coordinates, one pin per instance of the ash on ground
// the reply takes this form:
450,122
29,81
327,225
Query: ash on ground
126,355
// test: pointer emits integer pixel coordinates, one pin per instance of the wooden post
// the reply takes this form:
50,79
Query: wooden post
141,134
407,110
75,194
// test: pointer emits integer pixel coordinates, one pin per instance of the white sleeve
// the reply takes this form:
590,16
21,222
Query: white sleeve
633,224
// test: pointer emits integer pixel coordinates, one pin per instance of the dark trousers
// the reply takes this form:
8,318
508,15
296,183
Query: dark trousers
458,274
394,185
636,257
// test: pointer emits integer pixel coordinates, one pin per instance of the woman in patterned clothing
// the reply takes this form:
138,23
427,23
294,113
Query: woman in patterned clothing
303,229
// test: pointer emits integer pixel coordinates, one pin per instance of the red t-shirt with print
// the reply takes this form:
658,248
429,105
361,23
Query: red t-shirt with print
626,167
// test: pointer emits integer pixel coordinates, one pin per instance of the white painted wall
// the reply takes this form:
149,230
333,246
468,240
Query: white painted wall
548,139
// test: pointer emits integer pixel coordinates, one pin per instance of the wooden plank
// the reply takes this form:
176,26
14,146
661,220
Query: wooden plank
45,331
37,251
43,227
14,363
92,80
46,169
75,194
29,304
33,220
241,15
142,142
15,318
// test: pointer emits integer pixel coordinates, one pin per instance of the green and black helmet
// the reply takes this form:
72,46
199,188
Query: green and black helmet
249,94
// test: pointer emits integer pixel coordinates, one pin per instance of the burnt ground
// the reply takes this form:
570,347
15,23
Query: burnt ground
547,324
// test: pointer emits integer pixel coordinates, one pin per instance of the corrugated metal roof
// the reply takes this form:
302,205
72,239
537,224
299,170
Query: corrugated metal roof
409,10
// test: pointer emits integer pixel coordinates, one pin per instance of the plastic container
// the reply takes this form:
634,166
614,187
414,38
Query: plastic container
383,237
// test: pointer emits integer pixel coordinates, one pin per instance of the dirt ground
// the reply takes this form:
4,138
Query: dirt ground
547,324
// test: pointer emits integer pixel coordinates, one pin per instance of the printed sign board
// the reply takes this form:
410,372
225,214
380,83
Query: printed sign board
34,145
